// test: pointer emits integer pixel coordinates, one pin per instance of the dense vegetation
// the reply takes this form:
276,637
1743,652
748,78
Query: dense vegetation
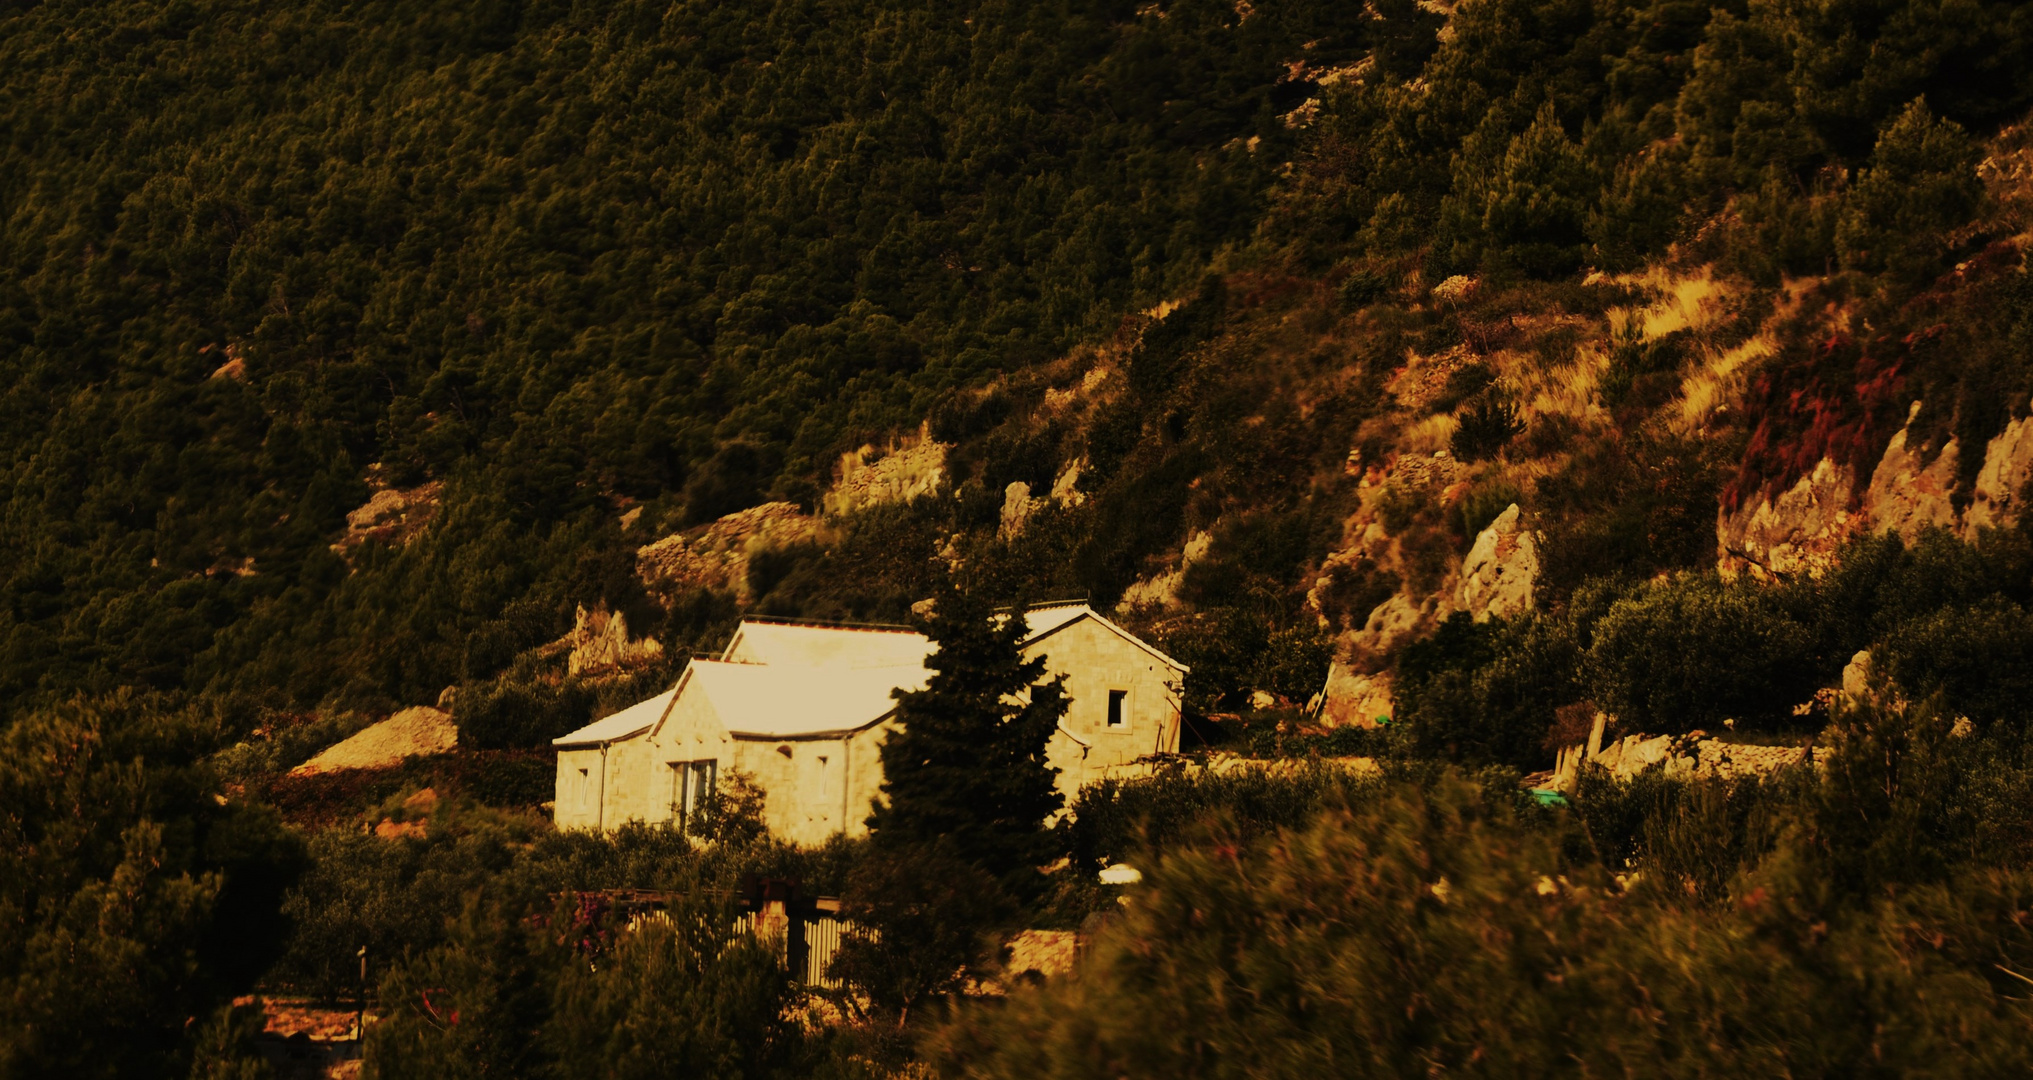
571,277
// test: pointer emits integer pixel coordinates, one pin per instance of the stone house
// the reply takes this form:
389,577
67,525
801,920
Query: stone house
802,708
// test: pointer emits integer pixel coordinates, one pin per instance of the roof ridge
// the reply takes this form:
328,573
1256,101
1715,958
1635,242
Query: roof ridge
829,624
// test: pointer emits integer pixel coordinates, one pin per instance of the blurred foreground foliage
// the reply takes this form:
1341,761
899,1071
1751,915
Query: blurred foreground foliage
1867,920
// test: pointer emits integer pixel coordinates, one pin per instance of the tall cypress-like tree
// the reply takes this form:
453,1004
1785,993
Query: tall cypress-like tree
967,769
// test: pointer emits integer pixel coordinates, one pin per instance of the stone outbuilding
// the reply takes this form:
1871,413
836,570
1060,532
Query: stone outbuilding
801,709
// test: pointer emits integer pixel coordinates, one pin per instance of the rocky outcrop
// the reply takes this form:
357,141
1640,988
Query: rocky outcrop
1397,621
1912,489
1799,531
1046,952
600,646
1019,505
1856,676
1498,576
235,366
1066,486
1352,697
716,556
1909,494
413,732
1162,591
1017,508
2008,465
392,516
867,479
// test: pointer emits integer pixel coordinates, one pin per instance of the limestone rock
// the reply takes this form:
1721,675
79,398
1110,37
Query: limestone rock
1455,290
600,645
413,732
1162,591
1500,571
1906,496
1395,622
1696,756
1066,486
1438,471
391,515
1352,697
1856,675
1017,508
898,477
1799,531
716,557
2008,465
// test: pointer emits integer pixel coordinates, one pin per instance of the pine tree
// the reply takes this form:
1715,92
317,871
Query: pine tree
967,769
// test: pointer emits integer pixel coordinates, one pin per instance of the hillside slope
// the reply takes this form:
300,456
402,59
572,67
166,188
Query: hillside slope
354,350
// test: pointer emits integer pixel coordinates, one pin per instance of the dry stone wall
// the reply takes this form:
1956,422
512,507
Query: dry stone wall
869,480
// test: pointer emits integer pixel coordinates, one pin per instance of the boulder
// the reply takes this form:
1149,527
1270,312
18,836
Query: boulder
1352,697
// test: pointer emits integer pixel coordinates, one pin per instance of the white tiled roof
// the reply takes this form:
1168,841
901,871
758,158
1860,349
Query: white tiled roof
777,701
631,721
766,642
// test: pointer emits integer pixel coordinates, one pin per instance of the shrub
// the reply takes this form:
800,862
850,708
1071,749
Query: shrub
134,899
1693,651
1431,930
1488,424
1462,384
1486,692
1922,183
920,919
1979,659
1363,287
1147,818
513,713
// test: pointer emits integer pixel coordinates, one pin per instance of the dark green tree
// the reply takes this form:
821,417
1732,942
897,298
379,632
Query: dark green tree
1921,185
966,770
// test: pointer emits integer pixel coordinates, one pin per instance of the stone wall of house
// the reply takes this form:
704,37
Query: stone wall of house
579,788
817,787
1096,660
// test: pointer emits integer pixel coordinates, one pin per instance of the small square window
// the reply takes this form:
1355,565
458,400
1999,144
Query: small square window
1117,713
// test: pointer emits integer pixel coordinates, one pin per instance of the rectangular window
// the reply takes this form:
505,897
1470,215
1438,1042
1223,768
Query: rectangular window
692,786
1117,713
